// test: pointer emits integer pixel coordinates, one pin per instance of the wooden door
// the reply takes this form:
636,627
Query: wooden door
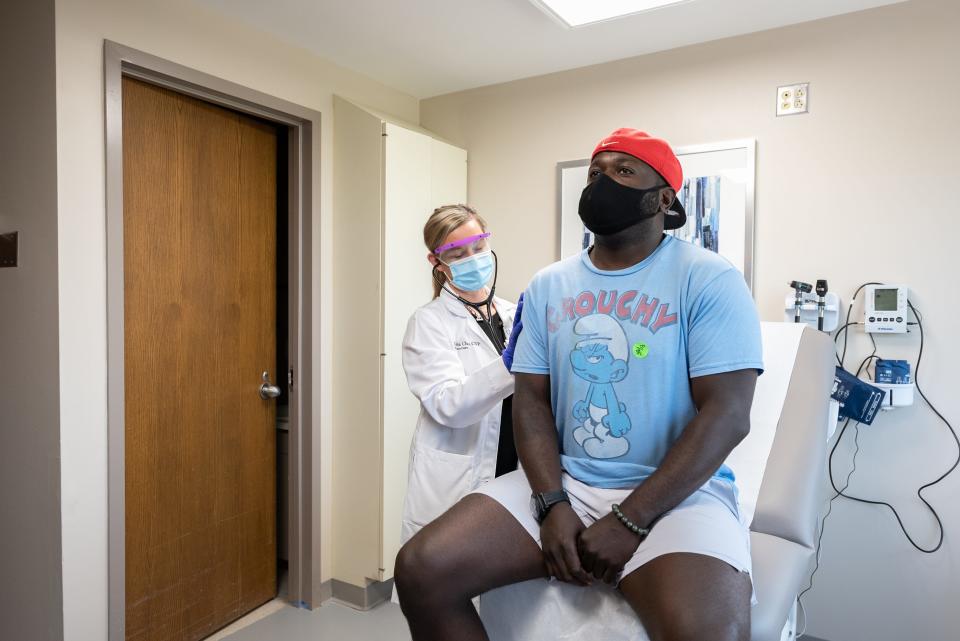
199,207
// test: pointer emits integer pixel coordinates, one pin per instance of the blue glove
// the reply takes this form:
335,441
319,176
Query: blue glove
507,355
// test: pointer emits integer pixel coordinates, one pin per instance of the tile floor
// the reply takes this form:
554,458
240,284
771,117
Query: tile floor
332,621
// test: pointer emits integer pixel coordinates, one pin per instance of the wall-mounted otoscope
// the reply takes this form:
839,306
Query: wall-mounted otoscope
800,288
821,302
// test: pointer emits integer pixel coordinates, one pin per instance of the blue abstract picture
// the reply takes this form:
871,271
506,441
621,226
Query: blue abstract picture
700,197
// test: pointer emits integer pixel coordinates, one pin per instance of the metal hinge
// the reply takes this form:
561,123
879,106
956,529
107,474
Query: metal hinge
290,379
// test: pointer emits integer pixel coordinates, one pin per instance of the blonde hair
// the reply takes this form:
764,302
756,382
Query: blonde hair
441,223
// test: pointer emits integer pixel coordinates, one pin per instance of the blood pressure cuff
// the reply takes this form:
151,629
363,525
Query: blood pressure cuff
893,372
858,399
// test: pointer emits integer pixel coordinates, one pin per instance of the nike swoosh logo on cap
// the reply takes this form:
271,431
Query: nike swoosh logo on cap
608,143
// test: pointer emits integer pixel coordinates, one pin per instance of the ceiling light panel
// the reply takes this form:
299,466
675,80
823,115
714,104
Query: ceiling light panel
576,13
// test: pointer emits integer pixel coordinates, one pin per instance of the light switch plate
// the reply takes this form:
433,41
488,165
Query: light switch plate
8,250
793,99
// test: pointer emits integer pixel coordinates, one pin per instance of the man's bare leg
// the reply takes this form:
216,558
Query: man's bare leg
475,547
690,597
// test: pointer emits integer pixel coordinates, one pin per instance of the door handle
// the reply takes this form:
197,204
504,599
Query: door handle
267,389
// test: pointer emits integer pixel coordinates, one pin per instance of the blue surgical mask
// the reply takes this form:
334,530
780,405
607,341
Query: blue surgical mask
473,272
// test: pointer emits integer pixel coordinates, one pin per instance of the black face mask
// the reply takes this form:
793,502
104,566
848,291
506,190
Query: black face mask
607,207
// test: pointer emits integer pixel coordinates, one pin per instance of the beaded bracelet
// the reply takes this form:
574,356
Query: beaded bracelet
633,527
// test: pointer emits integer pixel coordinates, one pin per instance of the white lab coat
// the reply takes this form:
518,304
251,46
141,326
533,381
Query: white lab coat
460,381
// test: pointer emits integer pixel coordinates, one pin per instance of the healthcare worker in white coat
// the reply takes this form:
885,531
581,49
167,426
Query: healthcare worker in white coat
456,355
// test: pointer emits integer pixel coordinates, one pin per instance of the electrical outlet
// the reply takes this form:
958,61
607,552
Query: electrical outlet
793,99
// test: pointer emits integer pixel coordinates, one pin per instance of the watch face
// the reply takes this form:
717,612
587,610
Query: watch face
540,504
537,507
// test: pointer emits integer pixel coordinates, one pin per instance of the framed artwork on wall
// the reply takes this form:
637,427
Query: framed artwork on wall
717,193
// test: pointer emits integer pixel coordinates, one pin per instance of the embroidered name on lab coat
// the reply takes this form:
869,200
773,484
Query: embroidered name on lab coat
465,344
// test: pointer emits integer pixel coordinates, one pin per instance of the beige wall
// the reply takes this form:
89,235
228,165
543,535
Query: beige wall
858,190
30,592
183,33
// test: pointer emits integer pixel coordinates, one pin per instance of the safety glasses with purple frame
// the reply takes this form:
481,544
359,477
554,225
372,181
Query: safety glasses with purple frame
466,246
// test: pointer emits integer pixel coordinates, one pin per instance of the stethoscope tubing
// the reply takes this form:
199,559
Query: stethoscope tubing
488,303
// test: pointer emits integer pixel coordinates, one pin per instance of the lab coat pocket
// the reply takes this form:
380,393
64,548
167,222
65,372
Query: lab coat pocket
438,479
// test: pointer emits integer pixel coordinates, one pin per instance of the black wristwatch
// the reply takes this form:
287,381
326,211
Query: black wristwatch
544,501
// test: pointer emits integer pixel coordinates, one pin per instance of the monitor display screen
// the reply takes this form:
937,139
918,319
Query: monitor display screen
885,300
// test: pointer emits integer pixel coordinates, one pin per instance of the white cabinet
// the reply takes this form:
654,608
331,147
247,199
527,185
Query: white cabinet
388,178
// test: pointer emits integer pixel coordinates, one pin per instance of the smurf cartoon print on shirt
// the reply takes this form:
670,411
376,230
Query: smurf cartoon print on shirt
601,359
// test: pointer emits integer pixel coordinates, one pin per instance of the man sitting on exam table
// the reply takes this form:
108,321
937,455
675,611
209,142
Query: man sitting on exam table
635,374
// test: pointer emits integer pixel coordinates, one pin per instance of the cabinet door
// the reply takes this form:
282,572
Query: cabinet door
355,487
420,174
406,279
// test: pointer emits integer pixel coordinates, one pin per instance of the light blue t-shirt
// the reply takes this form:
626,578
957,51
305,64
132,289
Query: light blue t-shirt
621,347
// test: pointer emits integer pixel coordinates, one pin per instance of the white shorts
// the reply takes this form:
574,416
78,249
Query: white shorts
702,524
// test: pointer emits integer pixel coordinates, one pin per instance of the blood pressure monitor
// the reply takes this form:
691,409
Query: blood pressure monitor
885,309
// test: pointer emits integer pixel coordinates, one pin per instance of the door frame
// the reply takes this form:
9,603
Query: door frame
303,130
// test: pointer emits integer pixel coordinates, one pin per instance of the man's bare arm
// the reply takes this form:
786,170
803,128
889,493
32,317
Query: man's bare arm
535,433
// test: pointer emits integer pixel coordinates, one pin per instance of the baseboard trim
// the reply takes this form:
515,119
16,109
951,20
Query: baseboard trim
325,593
365,598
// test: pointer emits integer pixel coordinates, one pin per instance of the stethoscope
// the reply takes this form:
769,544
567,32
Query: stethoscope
477,307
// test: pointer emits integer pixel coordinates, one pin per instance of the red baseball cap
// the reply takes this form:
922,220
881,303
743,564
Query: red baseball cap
656,153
